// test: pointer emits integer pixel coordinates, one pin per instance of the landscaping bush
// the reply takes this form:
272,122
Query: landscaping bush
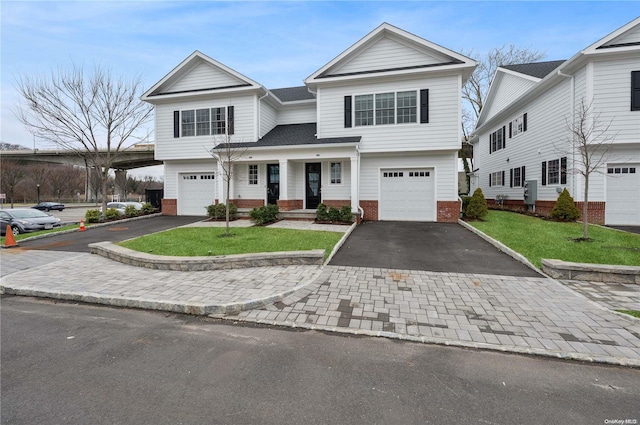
264,215
92,216
465,202
130,211
345,214
111,214
147,208
334,214
565,209
219,211
477,207
321,213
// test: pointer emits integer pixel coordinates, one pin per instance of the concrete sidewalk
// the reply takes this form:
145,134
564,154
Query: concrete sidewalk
530,315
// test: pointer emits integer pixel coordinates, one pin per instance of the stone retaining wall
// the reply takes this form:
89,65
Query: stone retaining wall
591,272
218,262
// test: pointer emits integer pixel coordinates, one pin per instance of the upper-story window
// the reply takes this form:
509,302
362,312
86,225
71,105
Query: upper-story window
635,90
518,125
382,108
497,140
407,106
364,110
203,122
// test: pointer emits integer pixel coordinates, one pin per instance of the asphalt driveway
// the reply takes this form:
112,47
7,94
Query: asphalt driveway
438,247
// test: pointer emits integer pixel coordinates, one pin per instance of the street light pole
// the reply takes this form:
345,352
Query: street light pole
38,186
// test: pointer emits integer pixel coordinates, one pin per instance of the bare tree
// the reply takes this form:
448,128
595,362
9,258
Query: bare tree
591,140
227,154
39,174
11,174
92,114
66,180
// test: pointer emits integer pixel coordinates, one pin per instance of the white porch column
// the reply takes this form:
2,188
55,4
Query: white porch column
220,182
284,179
355,183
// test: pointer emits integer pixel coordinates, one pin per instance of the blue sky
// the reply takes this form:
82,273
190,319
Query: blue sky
277,44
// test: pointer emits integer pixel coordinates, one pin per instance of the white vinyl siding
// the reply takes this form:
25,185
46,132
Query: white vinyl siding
511,87
168,147
632,36
203,75
442,131
268,118
334,191
300,114
389,53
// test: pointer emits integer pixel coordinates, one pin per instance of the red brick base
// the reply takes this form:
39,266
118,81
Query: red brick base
290,204
596,211
169,206
247,203
336,203
448,211
370,210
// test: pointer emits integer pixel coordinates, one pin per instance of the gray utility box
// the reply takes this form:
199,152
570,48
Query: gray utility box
530,189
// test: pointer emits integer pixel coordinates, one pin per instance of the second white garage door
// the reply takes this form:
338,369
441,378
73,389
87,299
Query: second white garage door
407,194
623,195
196,192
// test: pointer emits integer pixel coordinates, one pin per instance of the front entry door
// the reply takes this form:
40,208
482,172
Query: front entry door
312,180
273,183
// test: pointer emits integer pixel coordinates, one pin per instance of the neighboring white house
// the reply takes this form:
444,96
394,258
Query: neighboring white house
377,128
522,133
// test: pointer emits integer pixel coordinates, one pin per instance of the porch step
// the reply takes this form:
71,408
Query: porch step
307,215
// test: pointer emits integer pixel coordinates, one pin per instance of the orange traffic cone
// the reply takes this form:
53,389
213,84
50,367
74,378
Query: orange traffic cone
9,239
82,228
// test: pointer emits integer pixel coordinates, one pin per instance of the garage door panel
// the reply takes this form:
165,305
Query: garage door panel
196,192
623,195
407,195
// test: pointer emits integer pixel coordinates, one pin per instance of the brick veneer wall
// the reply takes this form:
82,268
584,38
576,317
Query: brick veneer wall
169,206
448,211
370,210
247,203
290,204
596,211
336,203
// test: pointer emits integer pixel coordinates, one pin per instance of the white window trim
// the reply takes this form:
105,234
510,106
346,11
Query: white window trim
257,183
341,173
211,122
395,97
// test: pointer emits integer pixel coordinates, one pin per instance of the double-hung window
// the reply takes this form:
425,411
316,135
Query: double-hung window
336,172
217,121
364,110
203,122
407,107
497,140
188,123
517,177
554,171
496,179
253,174
384,108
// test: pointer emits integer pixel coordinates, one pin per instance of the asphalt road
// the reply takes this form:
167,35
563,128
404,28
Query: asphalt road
437,247
116,232
76,364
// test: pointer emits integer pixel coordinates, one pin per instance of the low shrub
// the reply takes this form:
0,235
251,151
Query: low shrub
219,211
334,214
264,215
565,209
111,214
130,211
345,214
342,215
92,216
321,213
465,202
477,207
147,208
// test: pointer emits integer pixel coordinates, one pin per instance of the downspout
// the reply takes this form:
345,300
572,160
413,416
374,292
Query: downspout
360,209
572,87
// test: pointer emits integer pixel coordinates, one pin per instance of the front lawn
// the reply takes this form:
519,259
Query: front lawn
536,239
202,241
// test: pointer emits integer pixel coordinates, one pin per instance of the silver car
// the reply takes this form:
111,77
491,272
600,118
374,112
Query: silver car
24,220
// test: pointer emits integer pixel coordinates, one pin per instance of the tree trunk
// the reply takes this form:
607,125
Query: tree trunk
585,209
227,201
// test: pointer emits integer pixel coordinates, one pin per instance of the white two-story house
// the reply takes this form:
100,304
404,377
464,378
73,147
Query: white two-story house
377,128
523,133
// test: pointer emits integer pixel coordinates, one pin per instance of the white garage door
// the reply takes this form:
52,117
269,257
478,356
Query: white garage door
407,194
196,192
623,195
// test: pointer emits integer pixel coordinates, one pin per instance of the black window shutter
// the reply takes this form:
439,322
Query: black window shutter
522,176
563,170
504,137
544,173
510,130
524,122
347,112
490,143
511,177
489,180
230,120
176,123
635,90
503,177
424,106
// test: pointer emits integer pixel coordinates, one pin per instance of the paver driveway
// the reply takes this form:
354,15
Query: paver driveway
436,247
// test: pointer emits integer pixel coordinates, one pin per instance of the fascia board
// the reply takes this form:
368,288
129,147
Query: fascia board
196,94
604,40
518,74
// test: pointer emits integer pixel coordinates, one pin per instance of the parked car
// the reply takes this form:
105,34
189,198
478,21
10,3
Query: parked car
48,206
24,220
120,206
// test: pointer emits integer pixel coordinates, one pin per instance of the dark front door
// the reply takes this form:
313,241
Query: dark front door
312,180
273,183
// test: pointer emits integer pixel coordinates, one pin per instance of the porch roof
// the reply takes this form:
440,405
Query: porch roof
293,135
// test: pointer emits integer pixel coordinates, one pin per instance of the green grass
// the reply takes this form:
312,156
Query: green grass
536,239
634,313
41,232
198,241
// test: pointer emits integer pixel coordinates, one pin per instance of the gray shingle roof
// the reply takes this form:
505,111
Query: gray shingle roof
535,69
291,94
293,135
